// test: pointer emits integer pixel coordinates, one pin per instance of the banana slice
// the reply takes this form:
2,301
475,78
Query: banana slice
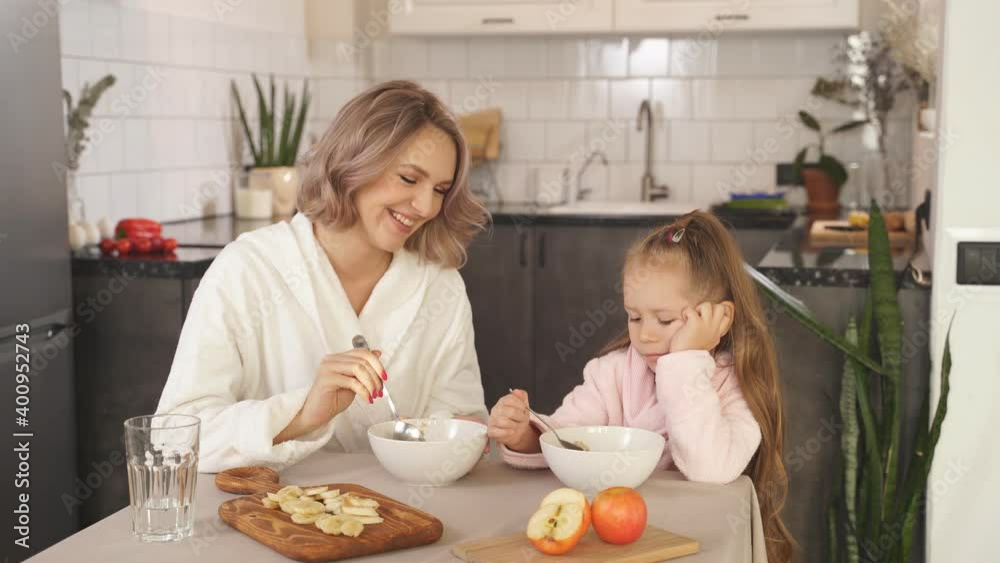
329,525
309,507
291,490
334,510
352,528
288,506
361,502
360,511
330,494
268,503
316,490
306,518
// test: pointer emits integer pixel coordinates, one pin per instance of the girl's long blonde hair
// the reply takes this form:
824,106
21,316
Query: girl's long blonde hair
715,265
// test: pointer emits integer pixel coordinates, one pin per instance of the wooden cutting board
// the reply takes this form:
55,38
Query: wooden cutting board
654,545
821,235
404,526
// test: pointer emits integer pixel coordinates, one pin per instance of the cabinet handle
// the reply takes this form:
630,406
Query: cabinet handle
541,250
524,249
493,21
732,17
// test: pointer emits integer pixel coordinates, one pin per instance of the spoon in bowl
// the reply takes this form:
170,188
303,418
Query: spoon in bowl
563,443
401,430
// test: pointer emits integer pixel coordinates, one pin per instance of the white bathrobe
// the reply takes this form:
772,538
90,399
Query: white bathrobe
271,307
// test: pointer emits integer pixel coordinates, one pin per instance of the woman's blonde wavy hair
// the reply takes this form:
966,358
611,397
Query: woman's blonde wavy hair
365,137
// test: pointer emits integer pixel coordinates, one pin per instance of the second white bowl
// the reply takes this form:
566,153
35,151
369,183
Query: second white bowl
618,457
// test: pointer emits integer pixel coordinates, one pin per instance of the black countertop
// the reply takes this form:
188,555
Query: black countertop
791,262
794,262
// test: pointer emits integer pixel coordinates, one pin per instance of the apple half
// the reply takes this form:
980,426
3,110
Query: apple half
560,521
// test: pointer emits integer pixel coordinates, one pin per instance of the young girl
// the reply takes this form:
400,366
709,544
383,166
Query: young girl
696,365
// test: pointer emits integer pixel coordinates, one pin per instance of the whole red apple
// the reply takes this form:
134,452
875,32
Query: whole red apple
619,515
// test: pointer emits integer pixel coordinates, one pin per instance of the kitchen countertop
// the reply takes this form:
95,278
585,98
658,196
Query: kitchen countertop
492,500
794,262
791,261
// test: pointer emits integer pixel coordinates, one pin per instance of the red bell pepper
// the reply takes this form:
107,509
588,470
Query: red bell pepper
138,229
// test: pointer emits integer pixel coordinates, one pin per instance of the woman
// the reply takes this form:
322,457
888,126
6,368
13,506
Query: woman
265,356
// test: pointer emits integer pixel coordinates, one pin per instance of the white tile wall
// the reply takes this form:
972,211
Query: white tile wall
723,108
167,123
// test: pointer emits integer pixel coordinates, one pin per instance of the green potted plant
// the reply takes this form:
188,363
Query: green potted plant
823,177
879,495
275,150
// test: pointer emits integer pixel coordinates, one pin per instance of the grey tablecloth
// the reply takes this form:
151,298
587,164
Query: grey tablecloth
492,500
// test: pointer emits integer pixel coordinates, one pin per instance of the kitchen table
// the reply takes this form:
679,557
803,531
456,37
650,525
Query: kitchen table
492,500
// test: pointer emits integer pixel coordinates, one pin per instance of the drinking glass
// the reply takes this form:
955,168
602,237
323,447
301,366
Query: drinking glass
162,452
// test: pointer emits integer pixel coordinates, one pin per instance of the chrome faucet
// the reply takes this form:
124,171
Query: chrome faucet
650,191
581,192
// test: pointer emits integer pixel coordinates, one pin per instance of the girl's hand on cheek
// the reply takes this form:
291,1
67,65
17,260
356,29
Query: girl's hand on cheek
703,327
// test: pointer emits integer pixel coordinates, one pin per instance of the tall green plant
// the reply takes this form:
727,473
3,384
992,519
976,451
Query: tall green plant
871,505
274,147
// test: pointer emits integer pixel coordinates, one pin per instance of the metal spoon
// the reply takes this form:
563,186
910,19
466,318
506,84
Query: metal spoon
401,430
563,443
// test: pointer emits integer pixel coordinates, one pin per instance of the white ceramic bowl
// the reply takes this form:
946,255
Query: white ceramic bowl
618,457
452,449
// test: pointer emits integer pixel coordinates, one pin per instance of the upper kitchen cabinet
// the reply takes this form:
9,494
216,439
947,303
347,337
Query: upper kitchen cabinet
466,17
741,15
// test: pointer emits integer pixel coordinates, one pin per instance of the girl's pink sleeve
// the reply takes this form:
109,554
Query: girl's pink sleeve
713,434
584,406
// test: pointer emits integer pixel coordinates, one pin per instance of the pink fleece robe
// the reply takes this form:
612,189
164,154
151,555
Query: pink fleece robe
694,402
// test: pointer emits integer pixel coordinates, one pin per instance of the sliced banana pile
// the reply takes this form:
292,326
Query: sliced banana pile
330,511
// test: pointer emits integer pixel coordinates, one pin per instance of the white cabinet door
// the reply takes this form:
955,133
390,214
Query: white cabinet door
720,16
467,17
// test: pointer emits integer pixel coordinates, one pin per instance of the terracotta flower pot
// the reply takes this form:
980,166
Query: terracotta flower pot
282,182
822,193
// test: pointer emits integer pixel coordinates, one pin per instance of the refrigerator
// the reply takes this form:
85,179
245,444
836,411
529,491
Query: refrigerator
36,348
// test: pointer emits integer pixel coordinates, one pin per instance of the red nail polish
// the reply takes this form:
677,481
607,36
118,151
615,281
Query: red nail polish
370,400
385,377
380,392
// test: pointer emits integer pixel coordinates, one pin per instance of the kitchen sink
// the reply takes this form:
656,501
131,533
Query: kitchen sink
665,208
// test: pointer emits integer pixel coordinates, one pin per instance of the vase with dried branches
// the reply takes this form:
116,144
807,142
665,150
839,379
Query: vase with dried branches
869,80
77,123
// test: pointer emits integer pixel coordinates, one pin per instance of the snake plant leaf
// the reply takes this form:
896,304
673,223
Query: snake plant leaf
243,120
265,151
831,529
889,322
871,486
299,123
849,443
797,310
270,125
286,126
924,452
